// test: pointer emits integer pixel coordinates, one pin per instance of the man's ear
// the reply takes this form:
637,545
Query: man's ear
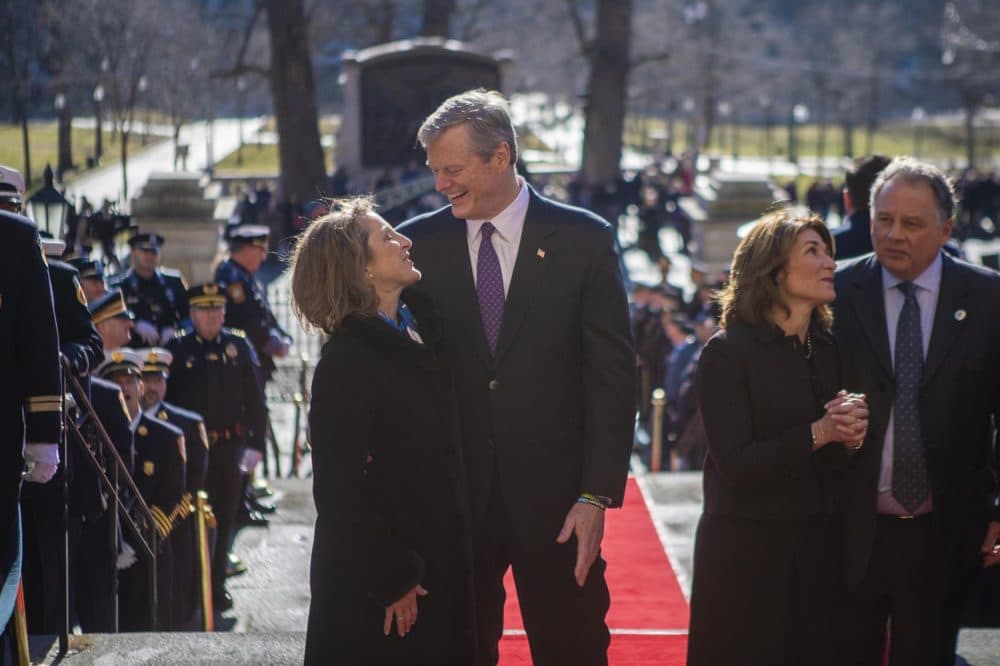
501,156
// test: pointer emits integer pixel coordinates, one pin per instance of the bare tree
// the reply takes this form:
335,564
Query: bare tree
19,55
437,18
293,93
607,53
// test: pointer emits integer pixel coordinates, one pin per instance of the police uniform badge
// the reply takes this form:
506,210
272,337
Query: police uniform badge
236,292
148,468
162,415
190,362
142,430
231,350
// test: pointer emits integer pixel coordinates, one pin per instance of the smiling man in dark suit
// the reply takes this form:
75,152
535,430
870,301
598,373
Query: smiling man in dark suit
918,332
536,321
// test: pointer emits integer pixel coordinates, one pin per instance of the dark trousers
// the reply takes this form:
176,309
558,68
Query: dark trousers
912,583
93,576
224,483
43,542
187,584
762,592
564,622
134,597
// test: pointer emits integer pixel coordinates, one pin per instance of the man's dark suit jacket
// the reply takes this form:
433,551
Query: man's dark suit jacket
555,410
853,238
959,392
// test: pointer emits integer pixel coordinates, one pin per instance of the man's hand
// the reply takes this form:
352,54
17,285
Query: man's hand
991,545
41,462
405,612
166,333
587,522
147,332
251,458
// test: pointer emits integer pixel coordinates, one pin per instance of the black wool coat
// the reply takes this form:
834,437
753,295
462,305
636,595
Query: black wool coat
389,497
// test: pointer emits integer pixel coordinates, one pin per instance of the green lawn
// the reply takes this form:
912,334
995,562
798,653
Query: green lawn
258,159
43,144
937,141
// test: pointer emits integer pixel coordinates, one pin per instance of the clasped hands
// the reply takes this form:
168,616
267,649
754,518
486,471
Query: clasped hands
845,421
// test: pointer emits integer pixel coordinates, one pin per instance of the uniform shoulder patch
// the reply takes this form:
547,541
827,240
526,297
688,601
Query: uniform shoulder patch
80,296
238,332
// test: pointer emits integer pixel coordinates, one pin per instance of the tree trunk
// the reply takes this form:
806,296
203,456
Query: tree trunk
437,18
123,135
970,135
605,105
25,146
293,92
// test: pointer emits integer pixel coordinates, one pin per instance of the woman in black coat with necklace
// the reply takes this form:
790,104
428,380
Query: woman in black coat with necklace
779,429
391,561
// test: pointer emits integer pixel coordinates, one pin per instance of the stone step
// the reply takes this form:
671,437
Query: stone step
169,649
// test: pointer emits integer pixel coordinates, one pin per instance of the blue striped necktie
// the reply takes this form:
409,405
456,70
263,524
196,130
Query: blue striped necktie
909,467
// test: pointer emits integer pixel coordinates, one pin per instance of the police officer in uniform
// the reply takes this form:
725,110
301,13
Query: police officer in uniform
160,469
157,297
214,373
31,391
91,276
155,371
247,308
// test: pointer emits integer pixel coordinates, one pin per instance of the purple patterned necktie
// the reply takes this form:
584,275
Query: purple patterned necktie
489,287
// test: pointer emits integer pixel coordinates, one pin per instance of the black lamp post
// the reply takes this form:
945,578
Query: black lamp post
47,207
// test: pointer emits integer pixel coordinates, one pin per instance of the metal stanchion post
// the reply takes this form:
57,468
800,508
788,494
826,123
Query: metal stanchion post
201,509
656,447
644,388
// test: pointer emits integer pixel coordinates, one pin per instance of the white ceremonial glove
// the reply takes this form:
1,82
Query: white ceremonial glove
147,332
251,458
166,334
126,557
41,462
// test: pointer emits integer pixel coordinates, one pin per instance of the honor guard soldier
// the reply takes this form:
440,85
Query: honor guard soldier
156,296
160,453
31,394
91,276
214,373
155,371
247,308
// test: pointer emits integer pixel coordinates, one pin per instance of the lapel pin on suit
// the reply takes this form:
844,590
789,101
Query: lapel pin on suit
540,253
960,315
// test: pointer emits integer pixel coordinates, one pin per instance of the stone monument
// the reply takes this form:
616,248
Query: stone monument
724,202
390,88
175,206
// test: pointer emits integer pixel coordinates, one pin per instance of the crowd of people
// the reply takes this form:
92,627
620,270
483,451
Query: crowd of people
176,378
474,407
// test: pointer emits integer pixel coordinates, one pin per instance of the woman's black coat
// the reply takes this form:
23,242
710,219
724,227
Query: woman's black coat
390,499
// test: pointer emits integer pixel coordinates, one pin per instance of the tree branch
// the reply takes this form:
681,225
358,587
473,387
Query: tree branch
238,66
259,70
573,9
647,58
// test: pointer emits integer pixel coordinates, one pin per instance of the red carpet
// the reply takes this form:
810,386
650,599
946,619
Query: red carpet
648,616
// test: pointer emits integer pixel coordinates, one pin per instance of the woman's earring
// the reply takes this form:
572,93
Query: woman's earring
369,274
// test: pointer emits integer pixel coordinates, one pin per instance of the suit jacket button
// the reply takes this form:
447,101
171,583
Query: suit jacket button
494,384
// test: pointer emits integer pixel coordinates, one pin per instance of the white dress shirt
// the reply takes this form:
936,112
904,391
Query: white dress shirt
508,224
928,286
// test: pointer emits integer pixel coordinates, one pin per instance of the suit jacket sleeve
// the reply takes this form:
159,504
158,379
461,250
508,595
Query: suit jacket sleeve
608,376
37,352
81,343
344,411
744,460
